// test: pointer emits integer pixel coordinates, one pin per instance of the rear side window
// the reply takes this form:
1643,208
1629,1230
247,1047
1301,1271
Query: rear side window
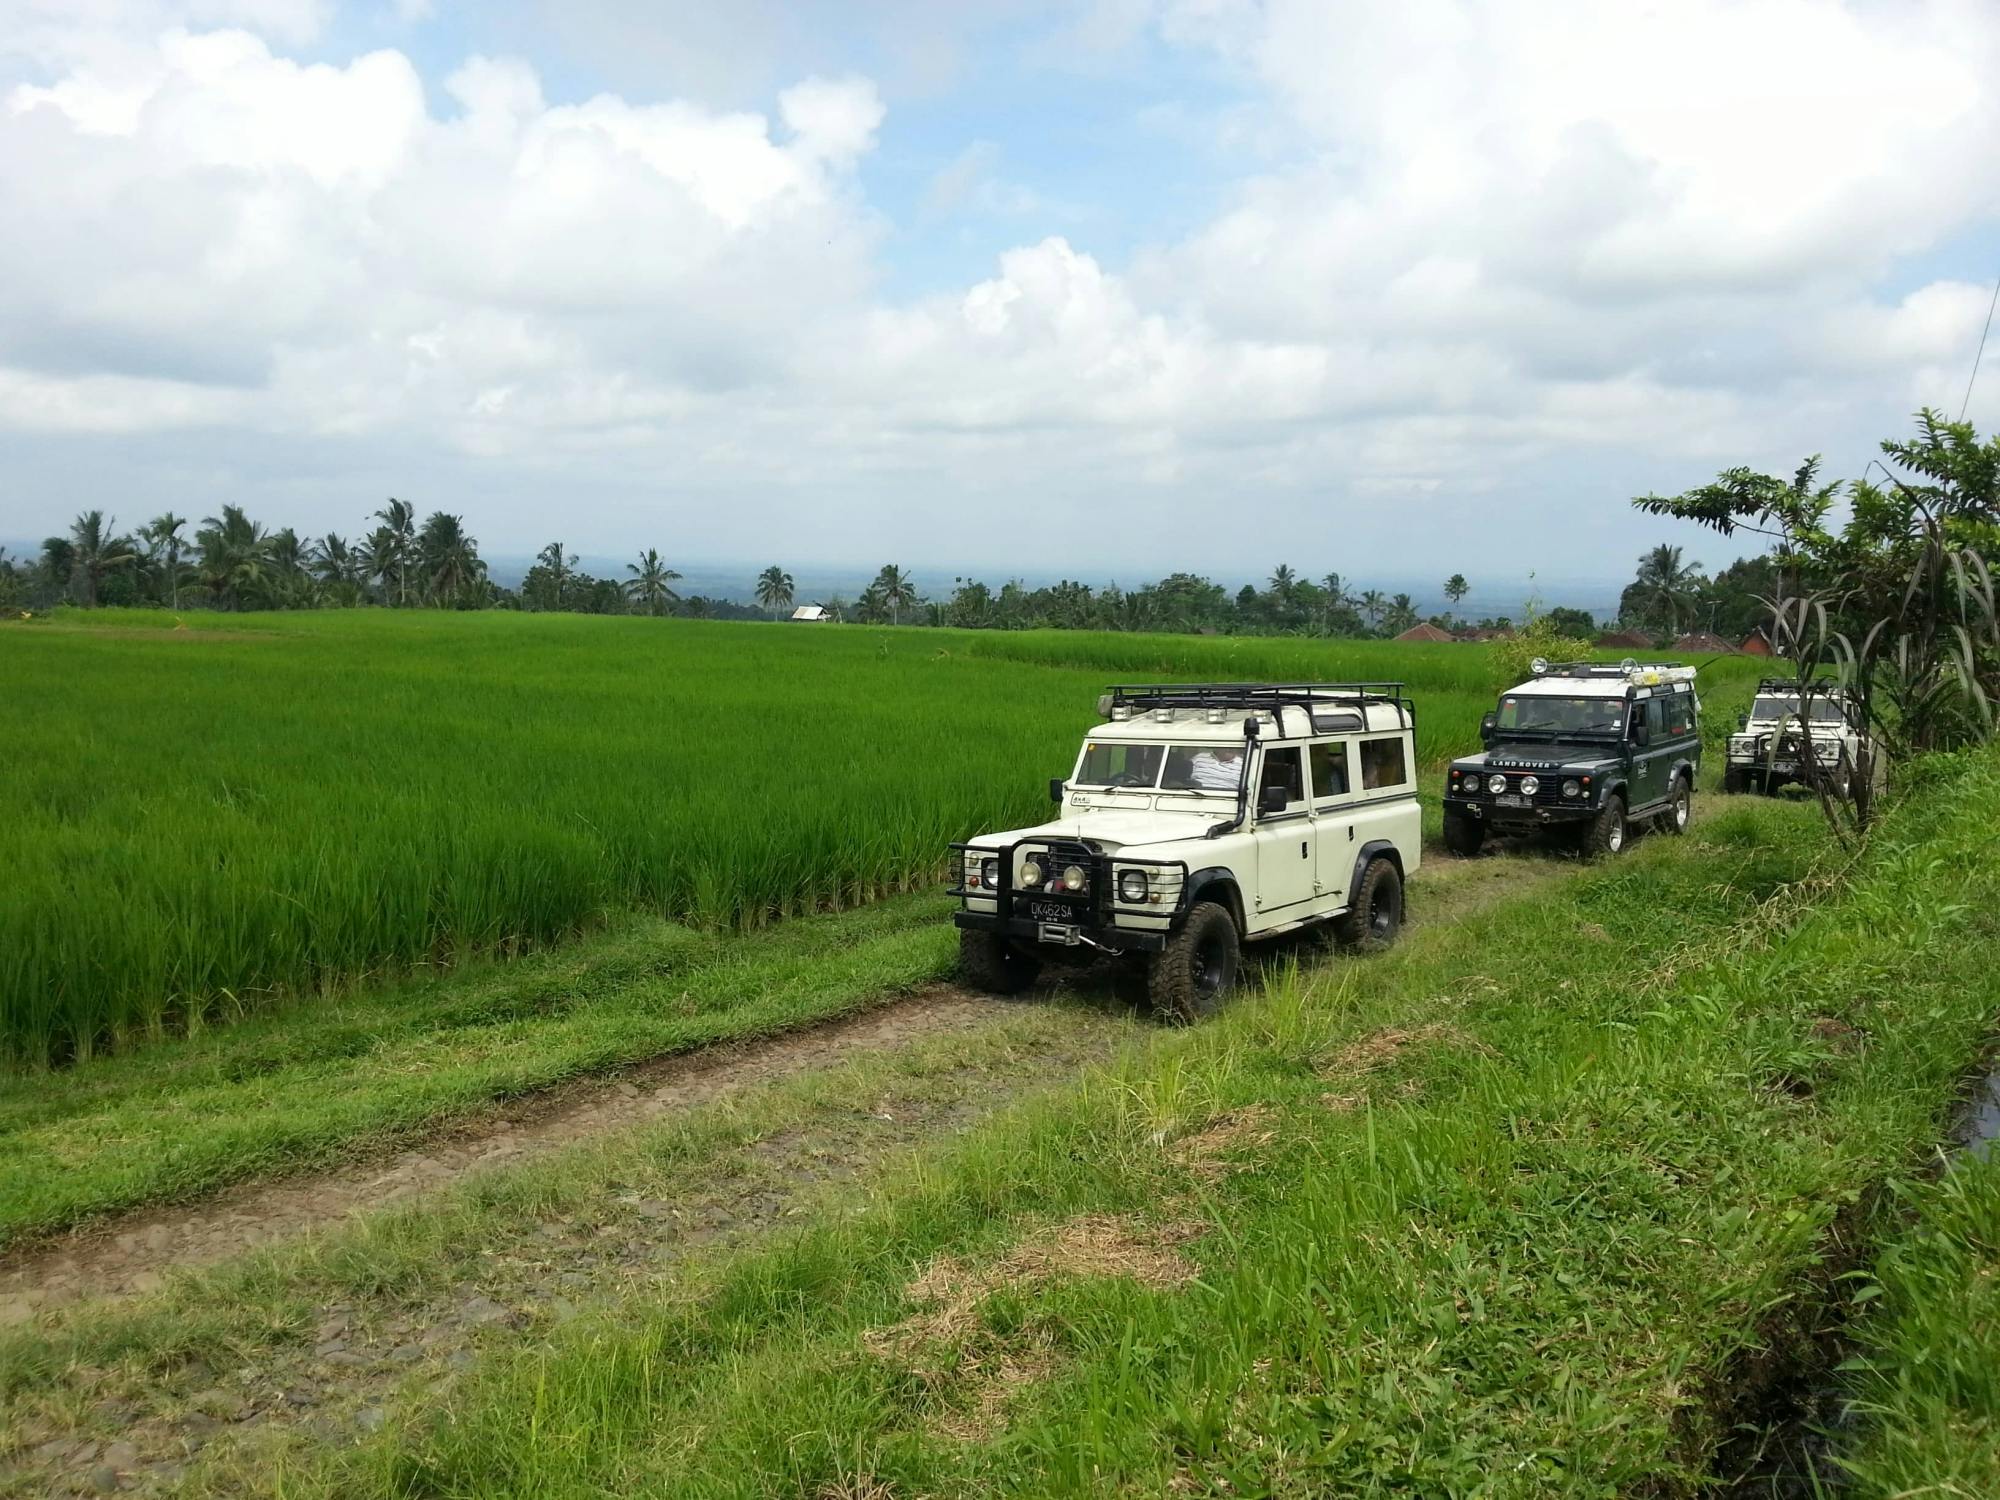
1329,768
1679,710
1383,763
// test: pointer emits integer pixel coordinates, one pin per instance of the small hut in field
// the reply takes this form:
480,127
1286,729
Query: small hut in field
1703,643
813,614
1426,632
1756,643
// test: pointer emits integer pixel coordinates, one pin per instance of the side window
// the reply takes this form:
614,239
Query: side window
1383,763
1641,714
1284,768
1329,768
1680,714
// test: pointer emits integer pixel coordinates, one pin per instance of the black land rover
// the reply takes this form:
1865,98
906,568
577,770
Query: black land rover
1582,749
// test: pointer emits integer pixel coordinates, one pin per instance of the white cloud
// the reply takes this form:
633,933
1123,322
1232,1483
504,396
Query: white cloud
1485,244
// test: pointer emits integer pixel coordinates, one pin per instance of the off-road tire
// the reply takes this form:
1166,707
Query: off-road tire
1734,782
988,961
1843,779
1463,833
1606,836
1374,912
1190,979
1680,812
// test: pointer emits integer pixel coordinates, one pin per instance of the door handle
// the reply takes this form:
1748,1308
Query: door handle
1302,850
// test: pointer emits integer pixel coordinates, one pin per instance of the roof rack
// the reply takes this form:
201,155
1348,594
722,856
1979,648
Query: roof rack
1627,670
1793,685
1271,698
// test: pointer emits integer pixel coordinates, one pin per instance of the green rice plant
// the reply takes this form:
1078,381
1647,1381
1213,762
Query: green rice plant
201,820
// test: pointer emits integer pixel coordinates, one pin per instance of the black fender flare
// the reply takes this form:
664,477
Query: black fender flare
1685,766
1216,883
1371,851
1620,788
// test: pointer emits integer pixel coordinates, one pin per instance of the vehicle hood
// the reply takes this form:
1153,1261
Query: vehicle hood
1113,831
1538,756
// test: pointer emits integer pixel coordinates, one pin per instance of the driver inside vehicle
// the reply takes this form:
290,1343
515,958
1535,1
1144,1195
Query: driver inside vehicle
1217,770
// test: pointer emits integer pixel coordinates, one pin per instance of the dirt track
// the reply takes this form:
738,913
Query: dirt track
132,1252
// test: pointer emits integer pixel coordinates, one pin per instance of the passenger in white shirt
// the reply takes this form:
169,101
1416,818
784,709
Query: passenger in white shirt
1218,770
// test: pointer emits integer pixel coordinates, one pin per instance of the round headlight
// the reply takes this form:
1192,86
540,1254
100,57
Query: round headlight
1530,785
1031,873
1132,886
1073,878
1496,783
989,873
1572,788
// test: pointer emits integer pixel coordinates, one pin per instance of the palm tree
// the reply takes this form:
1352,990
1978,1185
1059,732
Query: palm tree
338,568
399,519
1283,581
560,565
1456,588
288,557
164,532
235,556
58,562
774,588
894,590
1666,583
376,558
448,557
95,551
1402,613
648,584
1372,605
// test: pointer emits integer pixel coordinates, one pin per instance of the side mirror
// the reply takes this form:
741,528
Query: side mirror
1273,799
1642,732
1743,721
1055,789
1487,726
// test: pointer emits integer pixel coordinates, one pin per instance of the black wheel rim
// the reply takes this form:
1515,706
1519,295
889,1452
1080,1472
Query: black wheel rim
1208,967
1384,906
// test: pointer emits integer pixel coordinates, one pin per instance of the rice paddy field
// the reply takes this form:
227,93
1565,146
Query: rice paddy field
206,814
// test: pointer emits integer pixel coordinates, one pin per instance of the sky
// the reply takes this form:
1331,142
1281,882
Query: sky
1103,289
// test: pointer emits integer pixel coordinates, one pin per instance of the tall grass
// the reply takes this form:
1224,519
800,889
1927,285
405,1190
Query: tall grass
199,819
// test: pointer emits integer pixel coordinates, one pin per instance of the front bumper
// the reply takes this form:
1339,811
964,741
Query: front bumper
1062,934
1095,917
1495,814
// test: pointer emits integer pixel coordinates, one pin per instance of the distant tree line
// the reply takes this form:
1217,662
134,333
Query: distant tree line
231,562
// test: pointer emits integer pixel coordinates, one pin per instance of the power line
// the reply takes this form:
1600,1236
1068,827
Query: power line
1982,350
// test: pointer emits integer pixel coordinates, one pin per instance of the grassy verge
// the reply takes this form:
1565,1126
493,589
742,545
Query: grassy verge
1926,1364
1510,1212
359,1072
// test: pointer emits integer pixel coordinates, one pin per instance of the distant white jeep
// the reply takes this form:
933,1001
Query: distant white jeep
1772,741
1198,817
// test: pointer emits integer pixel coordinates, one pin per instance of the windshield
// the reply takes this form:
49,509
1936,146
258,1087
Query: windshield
1119,764
1775,706
1189,768
1535,714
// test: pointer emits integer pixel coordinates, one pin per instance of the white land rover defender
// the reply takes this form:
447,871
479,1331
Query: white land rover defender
1198,817
1770,744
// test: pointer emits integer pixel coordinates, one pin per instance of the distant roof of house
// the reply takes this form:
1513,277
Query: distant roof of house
1488,633
1426,632
810,612
1637,638
1702,640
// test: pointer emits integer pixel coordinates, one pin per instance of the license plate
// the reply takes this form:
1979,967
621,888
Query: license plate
1048,911
1514,799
